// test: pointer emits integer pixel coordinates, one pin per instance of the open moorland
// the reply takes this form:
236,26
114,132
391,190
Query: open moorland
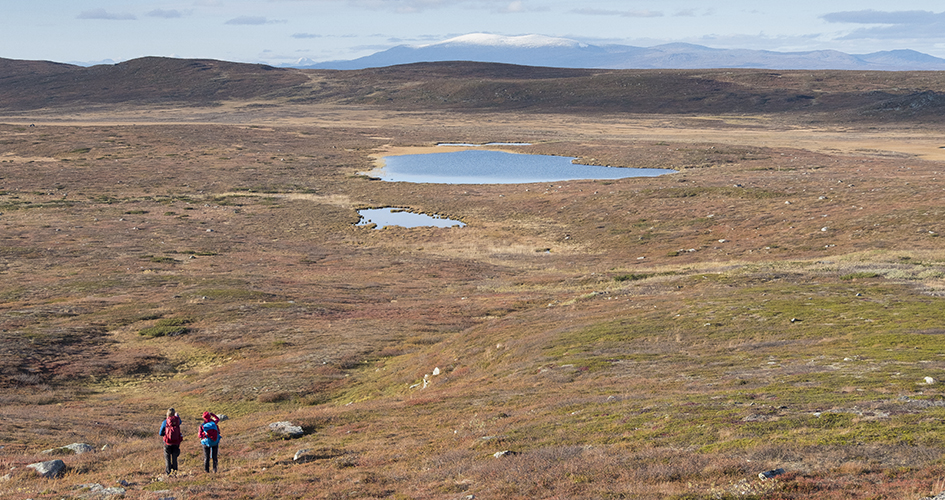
182,233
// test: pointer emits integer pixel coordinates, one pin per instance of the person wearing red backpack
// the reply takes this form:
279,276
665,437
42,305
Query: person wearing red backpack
210,439
170,431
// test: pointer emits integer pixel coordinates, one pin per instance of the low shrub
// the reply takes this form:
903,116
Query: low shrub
167,327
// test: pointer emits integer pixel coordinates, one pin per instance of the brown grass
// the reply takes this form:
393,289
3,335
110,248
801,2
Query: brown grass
600,331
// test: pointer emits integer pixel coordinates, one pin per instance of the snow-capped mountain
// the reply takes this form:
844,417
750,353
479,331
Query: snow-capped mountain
518,42
540,50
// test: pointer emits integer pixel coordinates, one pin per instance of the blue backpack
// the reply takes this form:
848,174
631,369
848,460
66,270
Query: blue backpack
211,434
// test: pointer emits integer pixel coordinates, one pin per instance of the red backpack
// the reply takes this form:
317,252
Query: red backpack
172,433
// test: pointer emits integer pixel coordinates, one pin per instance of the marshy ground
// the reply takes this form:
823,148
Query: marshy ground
776,304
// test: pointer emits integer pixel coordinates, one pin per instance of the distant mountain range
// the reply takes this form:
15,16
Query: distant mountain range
538,50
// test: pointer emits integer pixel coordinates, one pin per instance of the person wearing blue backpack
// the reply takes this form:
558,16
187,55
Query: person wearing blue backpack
210,439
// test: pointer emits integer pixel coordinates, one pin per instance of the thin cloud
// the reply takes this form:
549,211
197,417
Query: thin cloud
104,14
879,17
518,7
306,35
165,14
904,25
618,13
253,21
417,6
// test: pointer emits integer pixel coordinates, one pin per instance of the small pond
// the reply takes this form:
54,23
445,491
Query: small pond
496,167
399,217
469,145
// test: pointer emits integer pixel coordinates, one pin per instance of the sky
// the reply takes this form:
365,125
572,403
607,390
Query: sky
280,32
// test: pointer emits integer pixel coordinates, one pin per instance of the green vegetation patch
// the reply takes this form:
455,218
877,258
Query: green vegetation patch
161,260
233,294
167,327
860,275
631,277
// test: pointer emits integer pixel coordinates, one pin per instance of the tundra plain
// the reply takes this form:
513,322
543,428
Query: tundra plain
777,303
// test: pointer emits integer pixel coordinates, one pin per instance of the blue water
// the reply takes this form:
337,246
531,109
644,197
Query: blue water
398,217
466,144
496,167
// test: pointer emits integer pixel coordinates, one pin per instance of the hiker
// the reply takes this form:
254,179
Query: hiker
170,431
210,439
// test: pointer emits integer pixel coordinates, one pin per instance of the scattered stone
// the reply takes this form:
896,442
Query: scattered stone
80,448
49,468
96,490
436,371
505,453
929,380
301,454
285,430
770,473
69,449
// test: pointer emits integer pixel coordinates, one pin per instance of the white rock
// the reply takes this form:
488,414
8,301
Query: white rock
49,468
286,430
80,448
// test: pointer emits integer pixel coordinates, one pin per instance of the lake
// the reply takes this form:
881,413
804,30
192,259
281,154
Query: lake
496,167
399,217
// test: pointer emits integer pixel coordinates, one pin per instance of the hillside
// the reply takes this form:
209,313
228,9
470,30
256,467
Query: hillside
463,86
145,81
183,234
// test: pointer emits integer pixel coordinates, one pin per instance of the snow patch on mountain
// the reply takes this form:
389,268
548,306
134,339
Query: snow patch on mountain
522,42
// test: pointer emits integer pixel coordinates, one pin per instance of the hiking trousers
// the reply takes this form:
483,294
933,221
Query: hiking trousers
210,453
171,452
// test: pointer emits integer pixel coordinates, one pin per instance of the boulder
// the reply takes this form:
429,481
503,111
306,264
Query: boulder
69,449
49,468
505,453
79,448
285,430
770,474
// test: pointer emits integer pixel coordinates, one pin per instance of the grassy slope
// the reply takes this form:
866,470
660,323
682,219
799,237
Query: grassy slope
684,373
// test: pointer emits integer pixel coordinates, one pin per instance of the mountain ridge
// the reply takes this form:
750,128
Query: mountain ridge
540,50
